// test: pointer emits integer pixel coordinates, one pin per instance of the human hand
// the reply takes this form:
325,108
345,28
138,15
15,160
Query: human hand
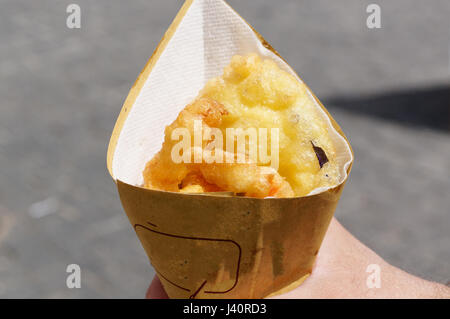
340,272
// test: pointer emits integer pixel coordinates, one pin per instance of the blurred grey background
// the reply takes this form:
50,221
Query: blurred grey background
61,90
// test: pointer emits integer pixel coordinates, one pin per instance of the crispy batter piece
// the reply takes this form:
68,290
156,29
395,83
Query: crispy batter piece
162,173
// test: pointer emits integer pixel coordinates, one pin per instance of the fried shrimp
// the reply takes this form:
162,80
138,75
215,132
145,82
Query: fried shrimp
246,178
249,179
162,172
194,182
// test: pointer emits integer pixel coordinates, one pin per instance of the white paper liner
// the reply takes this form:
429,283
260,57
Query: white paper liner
208,36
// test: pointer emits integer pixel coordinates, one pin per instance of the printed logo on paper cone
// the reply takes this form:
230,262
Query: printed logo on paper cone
204,274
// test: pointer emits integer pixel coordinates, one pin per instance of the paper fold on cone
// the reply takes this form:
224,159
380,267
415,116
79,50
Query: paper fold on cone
206,246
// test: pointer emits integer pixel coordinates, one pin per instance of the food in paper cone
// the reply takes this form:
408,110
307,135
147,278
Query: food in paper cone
254,131
285,180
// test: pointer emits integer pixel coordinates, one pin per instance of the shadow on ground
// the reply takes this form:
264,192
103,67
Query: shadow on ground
429,107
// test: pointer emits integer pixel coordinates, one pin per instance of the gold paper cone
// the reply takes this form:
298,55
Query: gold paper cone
206,246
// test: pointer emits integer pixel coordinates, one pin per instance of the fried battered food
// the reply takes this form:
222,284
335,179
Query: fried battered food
252,93
194,182
246,178
161,172
249,179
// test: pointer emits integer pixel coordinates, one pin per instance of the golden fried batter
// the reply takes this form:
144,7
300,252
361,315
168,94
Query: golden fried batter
247,178
252,93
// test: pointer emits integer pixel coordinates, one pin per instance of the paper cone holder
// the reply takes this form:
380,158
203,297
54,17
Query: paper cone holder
206,246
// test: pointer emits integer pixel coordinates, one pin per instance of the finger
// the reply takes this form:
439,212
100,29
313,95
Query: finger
156,290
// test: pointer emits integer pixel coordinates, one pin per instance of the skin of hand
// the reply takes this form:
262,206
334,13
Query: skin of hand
340,272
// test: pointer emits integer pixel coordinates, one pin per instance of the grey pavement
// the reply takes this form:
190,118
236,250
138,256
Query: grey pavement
61,91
